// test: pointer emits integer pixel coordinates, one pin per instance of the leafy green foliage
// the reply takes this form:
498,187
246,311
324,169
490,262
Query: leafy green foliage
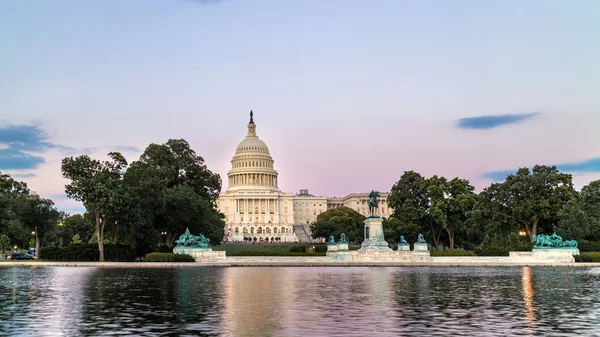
530,199
337,221
394,227
573,221
4,243
298,249
176,190
588,246
88,252
590,195
588,257
168,257
431,206
98,185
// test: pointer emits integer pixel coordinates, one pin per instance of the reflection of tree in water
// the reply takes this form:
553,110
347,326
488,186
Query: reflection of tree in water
143,300
566,300
461,300
200,293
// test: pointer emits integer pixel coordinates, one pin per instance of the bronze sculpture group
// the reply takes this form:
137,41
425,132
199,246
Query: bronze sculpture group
552,241
189,240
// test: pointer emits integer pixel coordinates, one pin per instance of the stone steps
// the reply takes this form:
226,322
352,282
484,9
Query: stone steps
303,233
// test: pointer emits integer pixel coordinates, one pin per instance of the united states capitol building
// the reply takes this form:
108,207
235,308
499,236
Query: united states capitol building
256,209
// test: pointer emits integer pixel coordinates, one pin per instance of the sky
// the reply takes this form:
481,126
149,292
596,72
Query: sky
347,94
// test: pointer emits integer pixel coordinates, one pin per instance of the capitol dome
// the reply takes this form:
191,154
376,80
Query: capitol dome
252,144
252,164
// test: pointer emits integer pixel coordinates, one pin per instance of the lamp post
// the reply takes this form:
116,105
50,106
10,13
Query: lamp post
163,235
34,243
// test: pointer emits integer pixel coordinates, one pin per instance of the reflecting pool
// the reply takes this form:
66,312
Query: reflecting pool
336,301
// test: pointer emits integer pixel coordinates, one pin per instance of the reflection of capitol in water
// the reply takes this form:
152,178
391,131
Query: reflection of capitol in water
255,302
256,209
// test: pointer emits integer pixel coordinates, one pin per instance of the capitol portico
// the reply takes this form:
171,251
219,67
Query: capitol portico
256,210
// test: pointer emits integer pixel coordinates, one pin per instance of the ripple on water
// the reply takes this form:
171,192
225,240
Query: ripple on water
299,301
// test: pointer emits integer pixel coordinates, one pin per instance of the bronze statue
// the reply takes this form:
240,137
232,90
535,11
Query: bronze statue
373,202
187,239
343,238
251,117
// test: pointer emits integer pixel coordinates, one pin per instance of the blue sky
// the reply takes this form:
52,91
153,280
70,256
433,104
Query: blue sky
347,94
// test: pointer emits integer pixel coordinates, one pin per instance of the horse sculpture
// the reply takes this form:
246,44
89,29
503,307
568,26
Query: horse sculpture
553,241
187,239
373,202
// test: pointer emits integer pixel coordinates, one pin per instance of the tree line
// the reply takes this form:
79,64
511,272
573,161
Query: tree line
149,203
450,214
145,205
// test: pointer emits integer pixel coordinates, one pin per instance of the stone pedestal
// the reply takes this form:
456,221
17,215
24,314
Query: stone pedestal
332,247
404,247
201,254
342,246
421,247
374,240
555,254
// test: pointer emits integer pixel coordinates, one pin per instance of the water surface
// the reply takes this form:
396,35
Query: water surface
336,301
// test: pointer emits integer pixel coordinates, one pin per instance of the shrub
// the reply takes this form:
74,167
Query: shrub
88,252
297,249
588,257
168,257
492,250
457,252
320,248
588,246
165,249
255,253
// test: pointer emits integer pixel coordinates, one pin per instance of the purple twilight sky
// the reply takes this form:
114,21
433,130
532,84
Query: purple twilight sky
347,94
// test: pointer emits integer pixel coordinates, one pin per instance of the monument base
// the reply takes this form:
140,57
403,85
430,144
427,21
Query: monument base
555,254
374,240
342,246
404,247
379,256
201,254
421,247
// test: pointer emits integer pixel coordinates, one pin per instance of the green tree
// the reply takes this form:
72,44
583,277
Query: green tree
393,228
37,215
176,190
408,198
4,243
438,207
10,190
97,185
573,222
339,220
590,195
76,239
529,199
460,202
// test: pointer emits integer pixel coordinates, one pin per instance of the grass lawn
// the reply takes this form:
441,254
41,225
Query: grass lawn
233,249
